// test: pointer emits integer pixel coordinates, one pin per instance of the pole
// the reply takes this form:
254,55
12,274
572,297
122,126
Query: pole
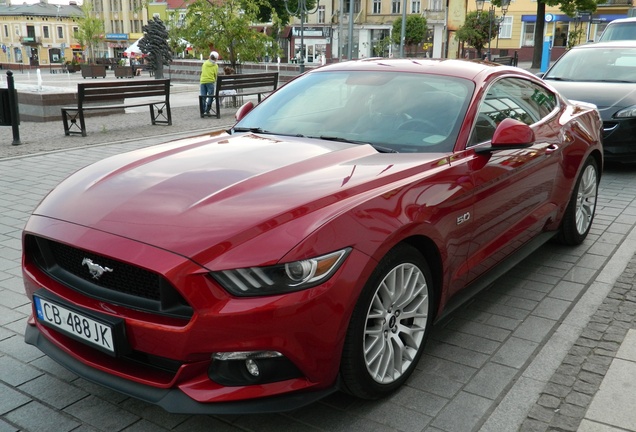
13,109
340,31
491,13
301,65
403,30
350,42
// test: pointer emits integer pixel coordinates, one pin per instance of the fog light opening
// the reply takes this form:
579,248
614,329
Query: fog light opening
252,367
240,368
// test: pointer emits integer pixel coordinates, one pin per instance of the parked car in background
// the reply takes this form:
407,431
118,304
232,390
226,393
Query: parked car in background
311,247
604,74
619,29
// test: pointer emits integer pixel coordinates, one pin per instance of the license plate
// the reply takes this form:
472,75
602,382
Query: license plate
75,324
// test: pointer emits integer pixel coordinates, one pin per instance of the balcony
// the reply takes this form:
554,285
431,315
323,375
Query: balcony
30,40
614,3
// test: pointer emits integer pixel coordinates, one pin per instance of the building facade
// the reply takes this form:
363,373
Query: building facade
38,34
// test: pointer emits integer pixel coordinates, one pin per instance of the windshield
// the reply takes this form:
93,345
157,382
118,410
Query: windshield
403,112
596,64
619,31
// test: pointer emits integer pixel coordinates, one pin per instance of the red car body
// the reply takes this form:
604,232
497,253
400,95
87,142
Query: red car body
179,212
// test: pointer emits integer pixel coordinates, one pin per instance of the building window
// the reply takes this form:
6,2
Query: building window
75,32
45,32
505,28
321,14
6,31
356,6
415,6
395,6
377,6
435,5
528,34
60,32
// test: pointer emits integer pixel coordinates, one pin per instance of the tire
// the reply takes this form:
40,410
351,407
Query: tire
579,215
389,325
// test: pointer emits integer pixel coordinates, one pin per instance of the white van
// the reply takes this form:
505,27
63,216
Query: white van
619,29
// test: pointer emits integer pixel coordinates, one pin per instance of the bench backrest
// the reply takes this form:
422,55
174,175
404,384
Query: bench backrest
246,81
118,90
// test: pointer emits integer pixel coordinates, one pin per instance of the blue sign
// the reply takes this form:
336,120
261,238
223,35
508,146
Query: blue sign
549,17
117,36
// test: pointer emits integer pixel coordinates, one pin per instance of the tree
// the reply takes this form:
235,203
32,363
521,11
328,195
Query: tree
416,31
226,28
569,7
476,29
90,30
155,45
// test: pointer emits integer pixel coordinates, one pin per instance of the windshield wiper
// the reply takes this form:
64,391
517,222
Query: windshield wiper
262,131
245,129
381,149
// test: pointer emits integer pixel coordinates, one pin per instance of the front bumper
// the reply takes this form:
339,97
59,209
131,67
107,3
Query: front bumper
619,142
171,400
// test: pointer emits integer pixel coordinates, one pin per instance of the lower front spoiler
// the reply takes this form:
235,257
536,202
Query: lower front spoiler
172,400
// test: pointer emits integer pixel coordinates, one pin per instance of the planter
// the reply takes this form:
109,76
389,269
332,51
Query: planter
124,72
93,71
72,68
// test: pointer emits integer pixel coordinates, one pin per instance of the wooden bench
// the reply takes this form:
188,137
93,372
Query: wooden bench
118,95
506,60
241,85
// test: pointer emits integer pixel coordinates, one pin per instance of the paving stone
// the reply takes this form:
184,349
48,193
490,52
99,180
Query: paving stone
491,380
14,372
101,414
39,418
580,399
541,413
549,401
53,391
462,413
11,399
515,352
534,328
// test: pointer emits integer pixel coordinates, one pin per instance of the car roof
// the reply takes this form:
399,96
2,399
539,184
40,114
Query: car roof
468,69
622,20
609,44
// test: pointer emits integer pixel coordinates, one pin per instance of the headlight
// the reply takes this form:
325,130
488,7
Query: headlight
281,278
626,112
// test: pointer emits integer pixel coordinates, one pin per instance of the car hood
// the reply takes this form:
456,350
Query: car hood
608,97
218,192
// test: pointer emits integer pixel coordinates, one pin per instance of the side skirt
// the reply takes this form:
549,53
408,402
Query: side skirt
492,275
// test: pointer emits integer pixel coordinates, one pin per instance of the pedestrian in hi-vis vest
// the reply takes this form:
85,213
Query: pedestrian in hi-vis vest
209,72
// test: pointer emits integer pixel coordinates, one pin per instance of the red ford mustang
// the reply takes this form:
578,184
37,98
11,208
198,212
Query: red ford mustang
311,247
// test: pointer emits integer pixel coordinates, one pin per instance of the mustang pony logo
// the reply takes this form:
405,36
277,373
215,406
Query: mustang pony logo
96,270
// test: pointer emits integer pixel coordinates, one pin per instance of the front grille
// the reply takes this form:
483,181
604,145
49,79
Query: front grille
127,279
120,283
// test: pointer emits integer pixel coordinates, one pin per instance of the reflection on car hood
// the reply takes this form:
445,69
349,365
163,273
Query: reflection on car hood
608,97
191,195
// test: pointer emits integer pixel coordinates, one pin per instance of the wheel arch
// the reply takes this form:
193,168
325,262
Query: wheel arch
427,247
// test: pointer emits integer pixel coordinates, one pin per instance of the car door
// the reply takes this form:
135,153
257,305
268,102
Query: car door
512,188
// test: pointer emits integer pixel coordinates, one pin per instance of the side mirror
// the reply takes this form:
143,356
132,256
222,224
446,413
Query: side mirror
510,135
243,110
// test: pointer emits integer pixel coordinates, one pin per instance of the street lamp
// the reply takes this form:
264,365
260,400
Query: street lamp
491,17
302,9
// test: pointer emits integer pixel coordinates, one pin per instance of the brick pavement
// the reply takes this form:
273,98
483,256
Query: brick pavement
518,357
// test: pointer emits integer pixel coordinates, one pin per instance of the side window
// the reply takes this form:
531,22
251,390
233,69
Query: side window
511,98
